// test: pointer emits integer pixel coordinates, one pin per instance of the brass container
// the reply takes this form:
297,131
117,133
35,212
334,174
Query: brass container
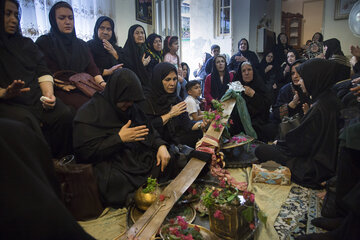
234,225
144,200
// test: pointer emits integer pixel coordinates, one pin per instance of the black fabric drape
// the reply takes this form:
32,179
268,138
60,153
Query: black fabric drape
131,56
102,57
29,203
120,167
68,51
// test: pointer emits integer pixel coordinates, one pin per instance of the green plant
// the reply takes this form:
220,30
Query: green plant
216,115
179,229
151,185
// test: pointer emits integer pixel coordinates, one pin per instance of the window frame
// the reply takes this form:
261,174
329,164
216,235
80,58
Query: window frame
219,6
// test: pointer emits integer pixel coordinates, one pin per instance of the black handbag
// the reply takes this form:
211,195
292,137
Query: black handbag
287,124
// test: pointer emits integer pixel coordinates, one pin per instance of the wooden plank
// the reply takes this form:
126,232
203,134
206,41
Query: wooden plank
149,223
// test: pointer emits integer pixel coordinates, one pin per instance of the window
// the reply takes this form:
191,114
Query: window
223,17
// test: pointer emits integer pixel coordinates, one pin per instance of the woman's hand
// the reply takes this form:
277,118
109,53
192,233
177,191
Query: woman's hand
268,68
133,134
115,67
162,157
241,59
177,109
249,91
295,101
145,61
110,48
14,89
49,102
63,86
305,107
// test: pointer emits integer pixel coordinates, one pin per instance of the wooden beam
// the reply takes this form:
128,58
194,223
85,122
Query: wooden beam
149,223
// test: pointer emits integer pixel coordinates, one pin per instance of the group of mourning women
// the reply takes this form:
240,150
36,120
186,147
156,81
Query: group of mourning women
127,131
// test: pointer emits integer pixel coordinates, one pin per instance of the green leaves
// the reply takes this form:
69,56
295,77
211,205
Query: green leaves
151,185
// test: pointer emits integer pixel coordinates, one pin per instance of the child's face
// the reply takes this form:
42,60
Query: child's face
195,91
174,47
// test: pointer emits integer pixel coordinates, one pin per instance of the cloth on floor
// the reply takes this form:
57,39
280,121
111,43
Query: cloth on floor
111,223
268,197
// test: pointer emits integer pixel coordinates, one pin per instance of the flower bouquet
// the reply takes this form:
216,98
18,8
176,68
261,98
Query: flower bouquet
217,115
179,229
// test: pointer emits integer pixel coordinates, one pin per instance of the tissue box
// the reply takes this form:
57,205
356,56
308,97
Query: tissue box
271,173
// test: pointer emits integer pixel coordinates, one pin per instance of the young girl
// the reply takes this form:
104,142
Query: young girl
171,46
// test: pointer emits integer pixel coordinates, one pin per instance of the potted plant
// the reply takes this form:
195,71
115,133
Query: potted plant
179,229
231,212
147,194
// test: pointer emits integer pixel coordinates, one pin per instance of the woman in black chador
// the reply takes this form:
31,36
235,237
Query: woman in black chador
113,134
65,52
24,80
133,54
166,110
310,149
103,47
244,54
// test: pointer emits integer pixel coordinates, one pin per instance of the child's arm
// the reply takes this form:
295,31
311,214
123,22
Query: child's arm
197,116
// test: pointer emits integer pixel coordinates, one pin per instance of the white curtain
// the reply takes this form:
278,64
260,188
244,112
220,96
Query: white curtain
35,16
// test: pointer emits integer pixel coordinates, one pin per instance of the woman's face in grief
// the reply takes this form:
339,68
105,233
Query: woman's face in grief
169,82
295,77
11,17
65,20
291,57
174,46
269,58
247,73
283,39
243,45
184,71
139,35
105,30
220,64
316,37
123,106
157,44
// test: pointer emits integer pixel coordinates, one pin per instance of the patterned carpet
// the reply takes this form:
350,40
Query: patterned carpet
294,218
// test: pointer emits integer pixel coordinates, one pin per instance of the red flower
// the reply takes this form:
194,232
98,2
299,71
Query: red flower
161,197
174,231
231,121
194,192
196,228
219,215
252,197
188,237
181,221
222,183
172,221
252,226
215,193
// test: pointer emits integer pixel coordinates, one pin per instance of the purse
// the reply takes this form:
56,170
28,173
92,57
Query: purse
86,84
287,124
80,193
82,81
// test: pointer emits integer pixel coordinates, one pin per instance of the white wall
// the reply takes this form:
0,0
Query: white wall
125,18
292,6
338,28
313,19
240,23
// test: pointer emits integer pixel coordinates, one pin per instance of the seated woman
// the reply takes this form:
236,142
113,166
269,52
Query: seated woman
289,102
24,80
332,50
113,134
103,47
217,82
257,98
167,112
65,52
243,55
154,50
268,70
310,149
133,55
281,49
